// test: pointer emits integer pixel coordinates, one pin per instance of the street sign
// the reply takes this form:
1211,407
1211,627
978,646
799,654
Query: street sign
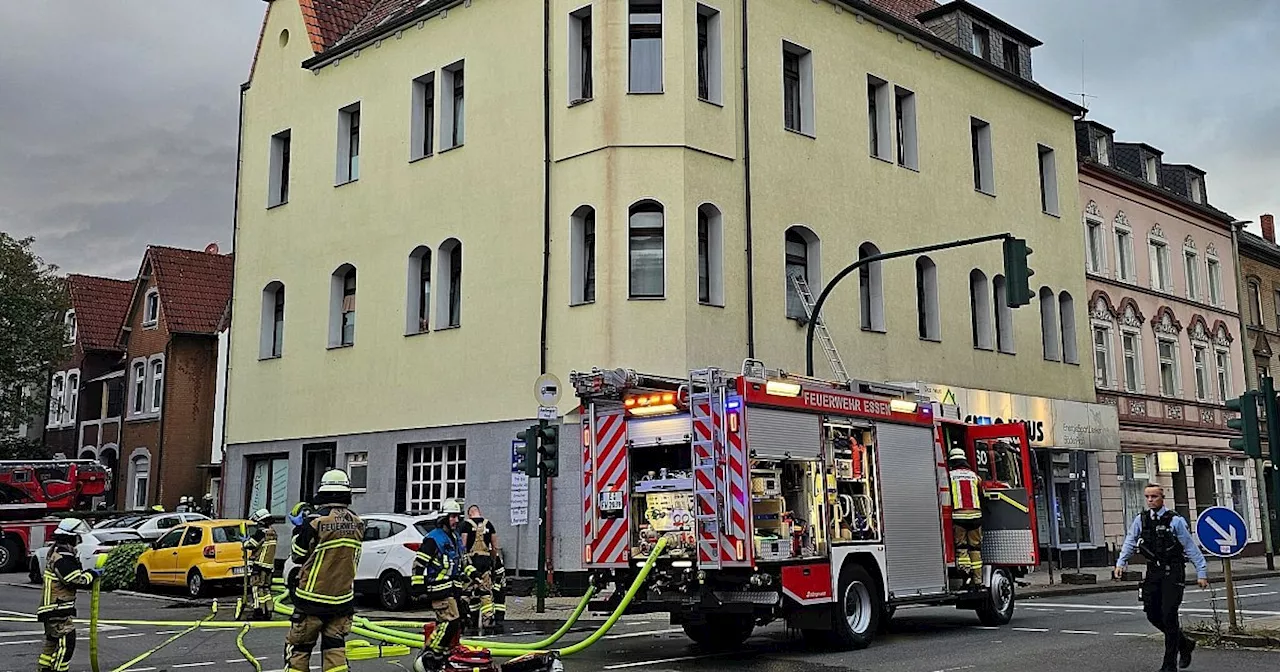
1222,532
548,412
519,489
546,389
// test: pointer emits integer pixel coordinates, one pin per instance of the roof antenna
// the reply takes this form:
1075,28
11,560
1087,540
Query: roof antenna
1084,102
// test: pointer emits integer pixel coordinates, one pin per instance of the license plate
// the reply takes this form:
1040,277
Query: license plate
611,501
237,571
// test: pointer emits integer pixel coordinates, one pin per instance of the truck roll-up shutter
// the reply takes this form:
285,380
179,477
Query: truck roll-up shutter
667,429
774,434
912,518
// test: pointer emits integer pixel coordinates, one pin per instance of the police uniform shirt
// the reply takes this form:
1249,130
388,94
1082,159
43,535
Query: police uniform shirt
1180,531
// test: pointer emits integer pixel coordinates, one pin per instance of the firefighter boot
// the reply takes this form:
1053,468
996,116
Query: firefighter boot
430,661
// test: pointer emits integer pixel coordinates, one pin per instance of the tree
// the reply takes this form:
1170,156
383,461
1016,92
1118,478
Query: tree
33,301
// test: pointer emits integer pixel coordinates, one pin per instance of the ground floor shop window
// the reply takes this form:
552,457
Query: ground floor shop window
1069,507
1135,471
433,472
1233,488
268,484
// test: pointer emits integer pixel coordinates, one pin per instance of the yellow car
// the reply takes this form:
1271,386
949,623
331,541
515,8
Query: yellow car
195,554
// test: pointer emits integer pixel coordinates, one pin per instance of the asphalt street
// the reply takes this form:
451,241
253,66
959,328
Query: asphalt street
1094,633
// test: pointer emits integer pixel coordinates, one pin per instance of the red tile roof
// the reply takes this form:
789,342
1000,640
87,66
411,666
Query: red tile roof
194,288
100,305
907,10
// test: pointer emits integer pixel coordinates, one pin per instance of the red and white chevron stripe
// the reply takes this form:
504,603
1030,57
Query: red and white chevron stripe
610,473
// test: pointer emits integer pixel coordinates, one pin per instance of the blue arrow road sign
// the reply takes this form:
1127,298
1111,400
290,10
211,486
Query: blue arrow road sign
1222,532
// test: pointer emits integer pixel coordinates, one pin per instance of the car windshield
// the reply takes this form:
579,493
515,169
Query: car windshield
226,534
113,537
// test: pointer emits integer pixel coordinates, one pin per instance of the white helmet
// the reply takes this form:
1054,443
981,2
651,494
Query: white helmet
335,480
450,506
262,515
72,527
957,453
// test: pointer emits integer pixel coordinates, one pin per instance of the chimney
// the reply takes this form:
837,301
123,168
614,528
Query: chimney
1268,227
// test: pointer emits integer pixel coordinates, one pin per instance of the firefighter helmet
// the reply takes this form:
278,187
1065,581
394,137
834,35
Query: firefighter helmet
957,454
450,506
71,527
335,480
262,516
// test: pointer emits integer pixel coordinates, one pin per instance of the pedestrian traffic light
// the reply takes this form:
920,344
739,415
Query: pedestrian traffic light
1017,272
525,455
1246,423
548,449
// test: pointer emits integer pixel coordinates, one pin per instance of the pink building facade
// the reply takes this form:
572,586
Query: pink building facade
1164,330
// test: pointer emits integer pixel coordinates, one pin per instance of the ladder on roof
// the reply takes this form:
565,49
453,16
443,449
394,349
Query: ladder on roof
820,329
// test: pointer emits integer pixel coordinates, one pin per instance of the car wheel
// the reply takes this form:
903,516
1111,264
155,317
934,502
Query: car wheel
195,583
393,592
34,574
142,581
10,555
859,609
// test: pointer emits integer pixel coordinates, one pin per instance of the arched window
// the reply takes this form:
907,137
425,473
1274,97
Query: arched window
271,338
69,320
449,274
871,290
418,292
646,250
802,258
141,481
710,255
1049,334
1004,316
582,256
342,307
980,309
928,324
1067,311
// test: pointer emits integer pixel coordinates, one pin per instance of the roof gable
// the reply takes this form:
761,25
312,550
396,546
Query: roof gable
194,288
100,305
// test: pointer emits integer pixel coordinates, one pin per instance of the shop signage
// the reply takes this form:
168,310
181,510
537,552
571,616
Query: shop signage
1050,423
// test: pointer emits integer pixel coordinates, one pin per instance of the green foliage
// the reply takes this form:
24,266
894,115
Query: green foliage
33,303
121,571
21,448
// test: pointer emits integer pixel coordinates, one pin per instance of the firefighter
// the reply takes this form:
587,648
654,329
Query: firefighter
966,515
63,575
206,506
480,539
442,567
262,560
1164,539
326,546
184,504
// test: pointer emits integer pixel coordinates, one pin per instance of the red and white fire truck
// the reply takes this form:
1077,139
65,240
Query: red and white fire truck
30,490
788,497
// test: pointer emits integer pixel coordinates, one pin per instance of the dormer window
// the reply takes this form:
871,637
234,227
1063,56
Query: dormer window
1104,157
1011,60
1197,189
980,44
1152,170
151,308
70,321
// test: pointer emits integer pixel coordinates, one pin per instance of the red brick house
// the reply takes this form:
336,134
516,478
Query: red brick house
170,342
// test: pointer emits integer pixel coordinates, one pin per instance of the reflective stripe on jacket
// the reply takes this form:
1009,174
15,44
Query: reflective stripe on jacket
439,563
262,548
62,576
327,546
966,501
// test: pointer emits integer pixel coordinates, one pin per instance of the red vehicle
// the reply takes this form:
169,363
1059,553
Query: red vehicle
32,489
787,497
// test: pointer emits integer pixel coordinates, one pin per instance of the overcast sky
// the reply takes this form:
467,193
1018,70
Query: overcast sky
118,117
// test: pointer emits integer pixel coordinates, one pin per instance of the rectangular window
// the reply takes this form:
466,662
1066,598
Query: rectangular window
453,113
1192,271
436,471
1102,356
1012,62
278,189
1202,373
1223,362
348,144
878,118
1152,170
908,150
1124,255
57,393
268,484
710,84
151,308
1048,181
1255,304
581,83
1197,189
1132,361
1215,283
797,88
645,36
980,42
358,471
73,397
1093,241
1162,274
422,134
1134,476
1104,156
980,141
157,384
1239,488
1168,351
139,387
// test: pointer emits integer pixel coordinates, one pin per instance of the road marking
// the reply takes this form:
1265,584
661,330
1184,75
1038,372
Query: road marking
955,669
17,613
1268,594
1079,632
1031,629
21,633
193,665
167,632
660,661
21,641
1184,610
984,627
152,669
131,634
646,633
1128,634
1252,585
1118,613
241,660
1038,609
1076,611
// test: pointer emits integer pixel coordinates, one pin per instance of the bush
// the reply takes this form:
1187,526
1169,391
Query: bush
121,570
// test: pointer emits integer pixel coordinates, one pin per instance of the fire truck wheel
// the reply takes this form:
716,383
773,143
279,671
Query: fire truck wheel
10,555
721,631
858,613
997,608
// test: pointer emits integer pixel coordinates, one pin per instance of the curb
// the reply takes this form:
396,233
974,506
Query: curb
1125,586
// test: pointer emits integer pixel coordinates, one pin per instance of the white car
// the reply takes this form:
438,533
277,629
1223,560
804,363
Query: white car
151,526
91,545
391,541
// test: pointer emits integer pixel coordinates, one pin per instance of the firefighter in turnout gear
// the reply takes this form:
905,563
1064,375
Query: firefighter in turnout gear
63,575
326,546
480,539
262,563
1164,539
966,515
442,567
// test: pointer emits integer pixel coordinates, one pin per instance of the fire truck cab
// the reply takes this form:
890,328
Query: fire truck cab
788,497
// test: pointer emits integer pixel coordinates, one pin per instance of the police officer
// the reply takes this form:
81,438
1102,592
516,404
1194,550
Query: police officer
442,567
966,515
1164,539
326,546
63,575
480,539
262,562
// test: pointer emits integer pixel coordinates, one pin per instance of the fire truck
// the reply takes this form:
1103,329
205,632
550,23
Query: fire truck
824,504
30,490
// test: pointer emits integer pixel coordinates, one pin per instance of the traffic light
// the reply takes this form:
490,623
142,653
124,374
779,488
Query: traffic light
1269,406
548,449
525,454
1017,272
1247,423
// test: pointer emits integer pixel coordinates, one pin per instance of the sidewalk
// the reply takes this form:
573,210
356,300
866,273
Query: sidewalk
1245,568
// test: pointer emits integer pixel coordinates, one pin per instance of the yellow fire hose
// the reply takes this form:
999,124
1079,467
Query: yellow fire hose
145,654
94,600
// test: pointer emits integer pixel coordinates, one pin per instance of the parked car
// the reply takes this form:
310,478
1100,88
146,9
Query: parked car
91,545
150,525
194,555
391,541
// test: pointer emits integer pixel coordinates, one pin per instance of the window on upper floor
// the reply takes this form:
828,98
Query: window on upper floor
582,239
138,392
271,335
69,322
645,37
710,255
418,296
1191,268
449,311
156,366
1255,304
980,144
151,308
1215,282
1131,351
342,307
710,84
1222,358
908,148
73,397
871,290
980,309
797,89
646,251
1161,270
422,131
1050,334
879,122
1200,355
1197,189
1004,316
928,323
980,42
1103,366
348,169
1067,322
278,186
57,398
1152,170
1104,154
453,114
802,250
581,82
1170,371
1095,249
1125,269
1012,60
1048,181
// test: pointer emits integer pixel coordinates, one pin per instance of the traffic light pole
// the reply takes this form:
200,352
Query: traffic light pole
822,298
545,482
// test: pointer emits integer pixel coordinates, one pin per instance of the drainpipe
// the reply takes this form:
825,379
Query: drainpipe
546,249
1251,383
746,180
235,235
164,412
